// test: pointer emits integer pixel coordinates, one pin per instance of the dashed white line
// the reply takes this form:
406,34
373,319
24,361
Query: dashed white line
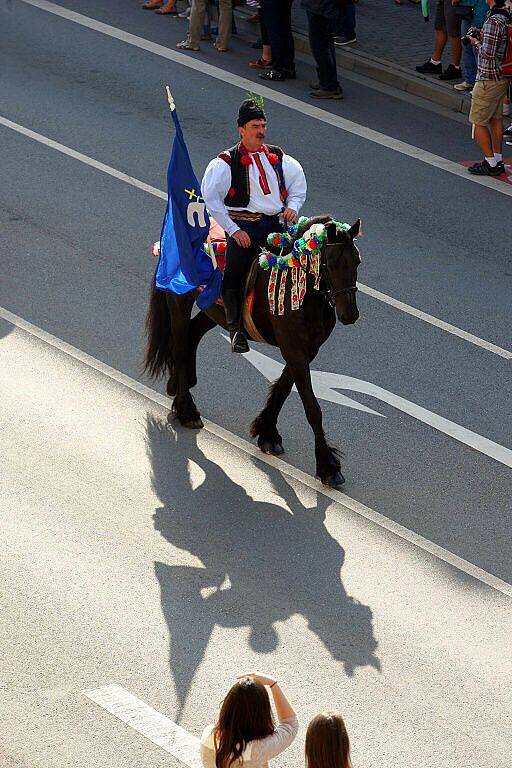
125,177
344,501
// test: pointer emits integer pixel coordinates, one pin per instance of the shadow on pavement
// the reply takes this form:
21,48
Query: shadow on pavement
262,564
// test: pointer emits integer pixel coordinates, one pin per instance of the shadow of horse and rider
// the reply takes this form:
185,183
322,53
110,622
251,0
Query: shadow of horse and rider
262,562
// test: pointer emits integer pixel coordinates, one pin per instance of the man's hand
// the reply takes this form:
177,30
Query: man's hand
241,238
289,215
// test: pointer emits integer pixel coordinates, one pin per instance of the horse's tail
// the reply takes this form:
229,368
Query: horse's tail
158,355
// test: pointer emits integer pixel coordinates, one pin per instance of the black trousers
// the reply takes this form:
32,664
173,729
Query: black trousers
238,259
322,48
277,19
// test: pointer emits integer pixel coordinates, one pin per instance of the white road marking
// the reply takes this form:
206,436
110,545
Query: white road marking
122,176
299,106
324,384
448,327
340,498
149,722
83,158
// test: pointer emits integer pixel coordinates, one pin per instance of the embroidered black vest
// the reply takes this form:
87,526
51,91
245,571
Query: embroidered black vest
239,193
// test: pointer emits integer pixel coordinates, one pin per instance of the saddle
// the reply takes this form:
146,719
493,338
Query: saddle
218,241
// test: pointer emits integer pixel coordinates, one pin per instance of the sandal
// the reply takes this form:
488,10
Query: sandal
152,4
217,46
261,64
186,45
168,10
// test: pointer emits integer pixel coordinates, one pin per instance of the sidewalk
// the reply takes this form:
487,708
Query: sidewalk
391,41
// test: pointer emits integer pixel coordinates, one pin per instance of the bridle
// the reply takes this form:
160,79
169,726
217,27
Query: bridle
330,294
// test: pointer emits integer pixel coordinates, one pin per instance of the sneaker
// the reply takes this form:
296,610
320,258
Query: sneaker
344,40
484,169
501,166
464,86
184,14
319,93
430,69
451,73
508,132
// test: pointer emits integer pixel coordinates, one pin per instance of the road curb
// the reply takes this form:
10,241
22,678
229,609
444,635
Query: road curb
384,72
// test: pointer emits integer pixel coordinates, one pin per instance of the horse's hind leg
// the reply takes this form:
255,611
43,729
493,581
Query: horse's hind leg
180,308
199,325
264,426
327,462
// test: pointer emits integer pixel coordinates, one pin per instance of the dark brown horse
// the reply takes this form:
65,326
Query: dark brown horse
173,338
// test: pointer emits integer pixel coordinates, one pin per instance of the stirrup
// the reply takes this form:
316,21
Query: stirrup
239,342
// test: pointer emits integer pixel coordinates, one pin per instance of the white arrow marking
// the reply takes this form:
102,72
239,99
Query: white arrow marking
324,383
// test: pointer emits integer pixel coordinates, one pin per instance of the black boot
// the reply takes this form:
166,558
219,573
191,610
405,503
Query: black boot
232,299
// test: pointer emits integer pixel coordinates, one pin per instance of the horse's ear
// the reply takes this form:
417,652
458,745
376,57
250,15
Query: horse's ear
331,232
356,229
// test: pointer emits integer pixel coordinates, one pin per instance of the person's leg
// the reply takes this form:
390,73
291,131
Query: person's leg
322,48
496,129
225,16
484,140
271,15
440,39
469,67
197,14
288,42
238,263
348,20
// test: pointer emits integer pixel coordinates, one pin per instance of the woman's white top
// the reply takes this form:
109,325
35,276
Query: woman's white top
258,752
217,182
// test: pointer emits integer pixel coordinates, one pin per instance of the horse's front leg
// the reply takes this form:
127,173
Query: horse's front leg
327,462
264,426
180,308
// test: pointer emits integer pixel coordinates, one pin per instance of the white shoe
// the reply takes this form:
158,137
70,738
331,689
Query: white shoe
463,86
184,14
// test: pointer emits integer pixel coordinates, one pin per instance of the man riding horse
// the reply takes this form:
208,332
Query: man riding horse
246,189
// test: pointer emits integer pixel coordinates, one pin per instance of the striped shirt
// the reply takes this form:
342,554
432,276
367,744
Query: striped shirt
492,47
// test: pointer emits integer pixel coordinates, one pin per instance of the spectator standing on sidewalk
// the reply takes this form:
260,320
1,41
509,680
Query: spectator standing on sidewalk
195,31
475,17
490,89
277,18
322,18
245,731
446,24
346,26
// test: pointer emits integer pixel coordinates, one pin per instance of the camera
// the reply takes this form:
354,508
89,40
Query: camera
472,32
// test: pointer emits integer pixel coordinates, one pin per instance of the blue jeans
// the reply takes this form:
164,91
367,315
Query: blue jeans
469,67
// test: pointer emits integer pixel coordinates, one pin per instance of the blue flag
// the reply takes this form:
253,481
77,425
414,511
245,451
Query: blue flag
184,264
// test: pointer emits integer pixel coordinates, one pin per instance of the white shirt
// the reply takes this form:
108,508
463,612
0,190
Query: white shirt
217,182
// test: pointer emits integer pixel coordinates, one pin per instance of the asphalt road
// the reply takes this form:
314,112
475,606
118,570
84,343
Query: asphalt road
75,263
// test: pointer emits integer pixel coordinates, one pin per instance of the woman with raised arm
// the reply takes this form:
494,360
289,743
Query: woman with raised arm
327,742
245,732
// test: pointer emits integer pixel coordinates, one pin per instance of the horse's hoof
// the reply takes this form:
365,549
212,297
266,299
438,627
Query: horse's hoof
273,449
334,481
193,424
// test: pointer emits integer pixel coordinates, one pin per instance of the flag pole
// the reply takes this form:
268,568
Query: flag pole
172,107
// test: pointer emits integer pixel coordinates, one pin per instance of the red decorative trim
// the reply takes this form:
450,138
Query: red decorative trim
226,157
246,160
263,178
231,192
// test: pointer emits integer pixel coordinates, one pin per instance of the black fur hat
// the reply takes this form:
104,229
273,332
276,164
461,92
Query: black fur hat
250,110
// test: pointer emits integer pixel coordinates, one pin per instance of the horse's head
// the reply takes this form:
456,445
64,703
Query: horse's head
339,266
